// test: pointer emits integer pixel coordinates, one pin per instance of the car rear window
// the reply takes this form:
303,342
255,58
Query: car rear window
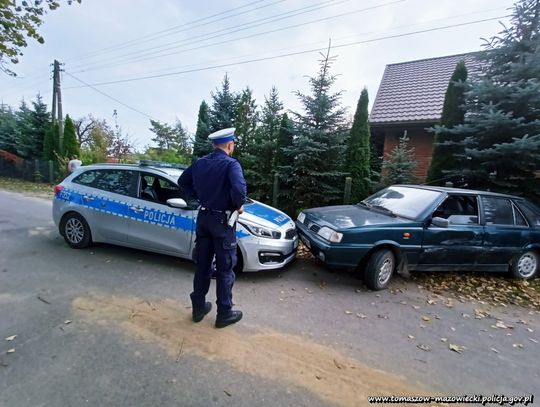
117,181
501,211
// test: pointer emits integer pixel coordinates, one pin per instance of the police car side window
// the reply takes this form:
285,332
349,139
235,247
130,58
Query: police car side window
117,181
87,177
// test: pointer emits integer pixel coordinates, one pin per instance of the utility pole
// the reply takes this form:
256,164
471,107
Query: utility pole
57,116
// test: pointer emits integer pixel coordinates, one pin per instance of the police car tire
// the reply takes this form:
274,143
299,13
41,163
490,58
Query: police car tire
379,269
73,219
525,265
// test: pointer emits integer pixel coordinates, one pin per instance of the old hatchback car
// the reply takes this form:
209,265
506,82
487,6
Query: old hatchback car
406,227
141,206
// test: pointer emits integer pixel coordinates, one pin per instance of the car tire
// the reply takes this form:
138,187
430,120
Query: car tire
525,265
379,269
76,231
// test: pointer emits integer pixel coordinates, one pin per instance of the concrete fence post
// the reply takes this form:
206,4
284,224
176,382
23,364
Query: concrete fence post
347,193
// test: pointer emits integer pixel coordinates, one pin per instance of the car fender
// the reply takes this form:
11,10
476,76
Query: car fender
385,244
532,246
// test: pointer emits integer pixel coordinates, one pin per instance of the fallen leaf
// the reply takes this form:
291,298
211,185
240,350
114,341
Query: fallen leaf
533,340
67,321
530,329
464,315
453,329
10,338
227,393
348,312
416,306
425,348
11,350
338,365
444,339
318,377
431,302
410,336
361,316
494,350
518,345
426,318
456,348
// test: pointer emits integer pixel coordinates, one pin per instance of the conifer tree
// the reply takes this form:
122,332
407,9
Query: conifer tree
222,111
399,165
51,143
319,144
70,144
358,154
201,144
8,127
246,118
283,163
446,151
502,126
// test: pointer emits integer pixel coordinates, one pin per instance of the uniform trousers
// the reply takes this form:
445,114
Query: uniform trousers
214,238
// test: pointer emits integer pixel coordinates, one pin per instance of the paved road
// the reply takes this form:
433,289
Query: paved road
110,326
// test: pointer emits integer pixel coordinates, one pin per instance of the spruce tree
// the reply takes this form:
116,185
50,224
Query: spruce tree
8,128
447,153
260,165
283,164
399,165
201,144
24,143
319,145
70,144
40,120
358,154
49,145
222,112
502,125
245,121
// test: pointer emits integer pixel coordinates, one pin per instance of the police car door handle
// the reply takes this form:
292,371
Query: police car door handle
136,208
88,198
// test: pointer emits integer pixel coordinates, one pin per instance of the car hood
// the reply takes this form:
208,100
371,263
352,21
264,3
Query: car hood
265,216
350,216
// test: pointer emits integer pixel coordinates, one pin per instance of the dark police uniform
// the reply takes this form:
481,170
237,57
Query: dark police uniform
217,181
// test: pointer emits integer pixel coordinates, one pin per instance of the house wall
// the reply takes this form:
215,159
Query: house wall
420,140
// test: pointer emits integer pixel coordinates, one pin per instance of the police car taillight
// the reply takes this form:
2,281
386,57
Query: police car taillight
58,188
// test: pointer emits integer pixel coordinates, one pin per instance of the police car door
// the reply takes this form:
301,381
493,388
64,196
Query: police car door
154,224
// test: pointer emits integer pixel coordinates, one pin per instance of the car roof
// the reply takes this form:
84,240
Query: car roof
174,170
457,190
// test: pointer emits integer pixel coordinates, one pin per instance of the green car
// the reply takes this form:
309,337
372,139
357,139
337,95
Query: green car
410,227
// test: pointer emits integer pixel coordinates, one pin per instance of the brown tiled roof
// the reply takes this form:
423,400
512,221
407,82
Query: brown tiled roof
414,91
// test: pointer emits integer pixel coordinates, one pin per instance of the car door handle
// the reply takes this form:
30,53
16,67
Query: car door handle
88,198
136,208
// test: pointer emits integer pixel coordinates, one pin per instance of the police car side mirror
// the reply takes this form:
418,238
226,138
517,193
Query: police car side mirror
177,203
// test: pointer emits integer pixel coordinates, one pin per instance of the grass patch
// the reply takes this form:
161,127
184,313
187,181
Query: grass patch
27,187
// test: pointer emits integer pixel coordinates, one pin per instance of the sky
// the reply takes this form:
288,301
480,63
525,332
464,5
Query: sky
159,59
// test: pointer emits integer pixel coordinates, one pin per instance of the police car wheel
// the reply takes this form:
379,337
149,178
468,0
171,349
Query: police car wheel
76,231
379,269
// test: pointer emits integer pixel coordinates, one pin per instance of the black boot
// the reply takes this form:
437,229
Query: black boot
230,318
198,314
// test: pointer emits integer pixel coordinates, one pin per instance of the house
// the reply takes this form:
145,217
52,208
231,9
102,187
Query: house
410,100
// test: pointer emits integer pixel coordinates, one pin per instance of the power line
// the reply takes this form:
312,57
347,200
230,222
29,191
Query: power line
295,53
107,95
177,29
136,55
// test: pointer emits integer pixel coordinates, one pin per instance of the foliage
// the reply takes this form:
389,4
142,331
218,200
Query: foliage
447,153
222,111
502,125
156,154
319,144
51,143
18,21
165,135
70,144
245,121
201,144
259,162
399,165
283,165
121,146
8,127
358,154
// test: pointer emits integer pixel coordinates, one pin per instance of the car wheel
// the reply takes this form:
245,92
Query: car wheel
76,231
379,269
525,265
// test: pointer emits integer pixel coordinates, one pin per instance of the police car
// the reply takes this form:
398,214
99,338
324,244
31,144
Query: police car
141,206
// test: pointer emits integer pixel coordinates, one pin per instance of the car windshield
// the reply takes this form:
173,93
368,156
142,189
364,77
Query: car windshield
402,201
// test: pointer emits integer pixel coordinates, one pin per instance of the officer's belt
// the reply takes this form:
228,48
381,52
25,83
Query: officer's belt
214,210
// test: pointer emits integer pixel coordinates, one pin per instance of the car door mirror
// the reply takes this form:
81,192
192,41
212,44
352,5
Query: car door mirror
440,222
177,203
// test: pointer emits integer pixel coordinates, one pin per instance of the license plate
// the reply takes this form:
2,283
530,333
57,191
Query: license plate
306,241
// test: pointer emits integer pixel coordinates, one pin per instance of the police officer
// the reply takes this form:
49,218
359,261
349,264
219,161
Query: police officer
217,181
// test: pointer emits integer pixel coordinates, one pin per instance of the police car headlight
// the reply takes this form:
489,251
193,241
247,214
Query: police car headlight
262,232
330,234
301,217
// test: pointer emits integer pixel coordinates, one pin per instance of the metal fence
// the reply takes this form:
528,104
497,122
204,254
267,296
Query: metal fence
31,170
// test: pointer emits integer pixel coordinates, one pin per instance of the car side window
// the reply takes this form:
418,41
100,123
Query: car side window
117,181
532,216
498,211
459,210
156,189
518,217
86,178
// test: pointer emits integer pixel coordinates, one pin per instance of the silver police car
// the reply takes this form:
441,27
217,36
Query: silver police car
141,206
